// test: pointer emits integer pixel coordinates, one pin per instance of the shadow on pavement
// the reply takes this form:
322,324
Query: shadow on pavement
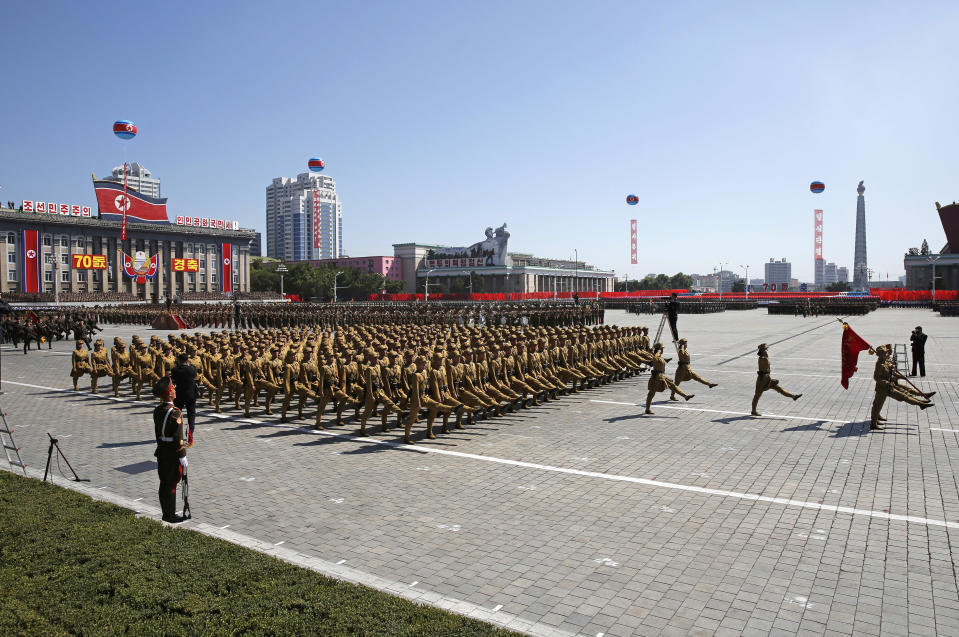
115,445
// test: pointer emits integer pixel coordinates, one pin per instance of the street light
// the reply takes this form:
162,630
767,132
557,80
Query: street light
427,284
719,281
746,286
335,287
576,265
932,258
281,270
470,279
507,282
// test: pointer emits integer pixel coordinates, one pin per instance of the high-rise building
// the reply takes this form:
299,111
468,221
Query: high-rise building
860,267
779,272
255,246
304,218
830,274
842,275
138,178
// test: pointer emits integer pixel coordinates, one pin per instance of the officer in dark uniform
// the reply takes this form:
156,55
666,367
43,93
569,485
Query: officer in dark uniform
171,450
184,377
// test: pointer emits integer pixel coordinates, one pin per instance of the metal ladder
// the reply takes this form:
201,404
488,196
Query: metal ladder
9,446
659,332
900,358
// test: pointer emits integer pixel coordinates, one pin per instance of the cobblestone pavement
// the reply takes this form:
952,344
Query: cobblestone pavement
583,516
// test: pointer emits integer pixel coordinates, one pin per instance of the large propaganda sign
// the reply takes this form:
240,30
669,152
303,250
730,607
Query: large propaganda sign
207,222
89,262
817,237
49,207
185,265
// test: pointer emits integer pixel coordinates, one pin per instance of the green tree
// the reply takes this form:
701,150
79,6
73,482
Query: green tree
738,286
838,286
263,279
925,247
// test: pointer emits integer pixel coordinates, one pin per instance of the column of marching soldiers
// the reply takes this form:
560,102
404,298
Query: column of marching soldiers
412,372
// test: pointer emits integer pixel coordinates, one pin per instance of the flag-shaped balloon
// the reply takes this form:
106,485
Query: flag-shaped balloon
817,187
316,164
124,129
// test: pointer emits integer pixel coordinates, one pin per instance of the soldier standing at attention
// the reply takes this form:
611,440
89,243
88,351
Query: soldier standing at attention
171,450
764,381
685,372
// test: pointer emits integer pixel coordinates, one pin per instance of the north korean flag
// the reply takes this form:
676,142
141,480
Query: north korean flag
226,268
113,202
31,274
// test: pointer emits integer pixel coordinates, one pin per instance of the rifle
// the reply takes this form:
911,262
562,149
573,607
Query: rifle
186,497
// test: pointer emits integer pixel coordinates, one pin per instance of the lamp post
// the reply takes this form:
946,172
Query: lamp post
719,281
427,284
507,282
335,287
56,274
576,265
932,258
469,276
746,282
281,270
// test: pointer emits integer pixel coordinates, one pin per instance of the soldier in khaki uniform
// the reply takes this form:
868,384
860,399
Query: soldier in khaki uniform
764,381
684,372
120,364
100,362
886,387
141,365
374,392
81,364
659,381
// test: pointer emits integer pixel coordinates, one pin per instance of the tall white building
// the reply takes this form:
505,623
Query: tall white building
304,218
138,178
779,272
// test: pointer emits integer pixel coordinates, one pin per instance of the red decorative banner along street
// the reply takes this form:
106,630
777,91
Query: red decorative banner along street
226,268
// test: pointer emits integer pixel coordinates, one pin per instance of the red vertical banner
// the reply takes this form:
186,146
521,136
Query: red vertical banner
317,235
817,245
126,205
31,274
226,268
633,242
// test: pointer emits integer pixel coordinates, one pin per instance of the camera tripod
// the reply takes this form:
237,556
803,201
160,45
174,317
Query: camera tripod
54,444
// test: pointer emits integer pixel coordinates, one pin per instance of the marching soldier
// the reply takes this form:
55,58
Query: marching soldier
81,364
100,363
765,381
659,381
121,364
684,371
887,387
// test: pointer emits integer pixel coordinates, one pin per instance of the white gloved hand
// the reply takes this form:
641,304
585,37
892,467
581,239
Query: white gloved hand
183,462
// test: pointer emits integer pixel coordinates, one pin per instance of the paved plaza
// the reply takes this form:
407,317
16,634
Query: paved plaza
583,516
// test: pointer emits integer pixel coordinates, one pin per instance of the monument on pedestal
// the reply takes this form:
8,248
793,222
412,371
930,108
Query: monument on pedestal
860,279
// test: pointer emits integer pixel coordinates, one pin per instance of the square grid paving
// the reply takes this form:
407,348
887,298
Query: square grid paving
583,516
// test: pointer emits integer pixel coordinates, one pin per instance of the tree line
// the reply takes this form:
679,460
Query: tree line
316,283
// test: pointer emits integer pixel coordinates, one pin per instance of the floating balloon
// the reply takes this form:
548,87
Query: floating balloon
817,187
316,164
632,200
124,129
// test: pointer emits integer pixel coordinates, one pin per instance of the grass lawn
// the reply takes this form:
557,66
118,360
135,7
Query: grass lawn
72,565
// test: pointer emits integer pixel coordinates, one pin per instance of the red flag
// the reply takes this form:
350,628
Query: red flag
852,344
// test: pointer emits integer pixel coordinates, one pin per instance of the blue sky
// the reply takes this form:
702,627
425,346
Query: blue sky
438,119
